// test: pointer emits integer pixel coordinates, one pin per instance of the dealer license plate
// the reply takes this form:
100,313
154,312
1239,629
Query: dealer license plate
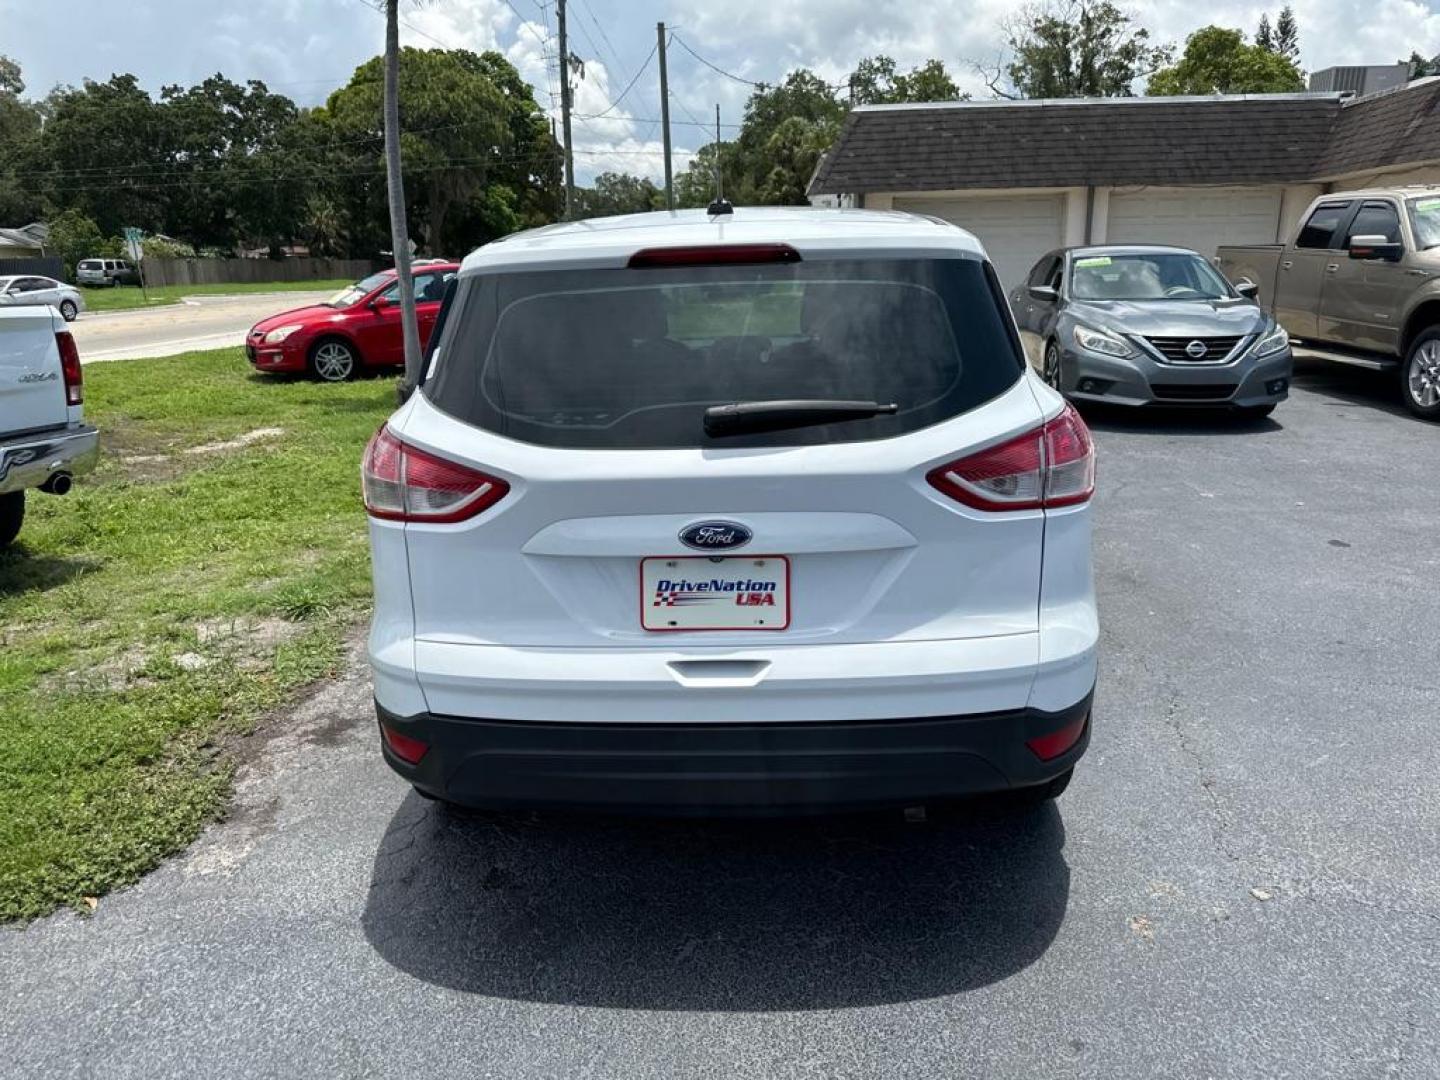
711,592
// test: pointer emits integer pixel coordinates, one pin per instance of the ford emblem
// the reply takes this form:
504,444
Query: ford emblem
715,535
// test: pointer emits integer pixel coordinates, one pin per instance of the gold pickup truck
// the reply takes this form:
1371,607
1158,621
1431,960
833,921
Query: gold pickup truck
1359,284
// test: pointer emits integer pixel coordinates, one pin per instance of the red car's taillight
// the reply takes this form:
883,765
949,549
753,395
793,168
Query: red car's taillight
402,483
1052,466
70,368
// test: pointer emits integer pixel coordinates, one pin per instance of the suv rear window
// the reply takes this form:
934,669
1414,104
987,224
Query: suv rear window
632,358
90,264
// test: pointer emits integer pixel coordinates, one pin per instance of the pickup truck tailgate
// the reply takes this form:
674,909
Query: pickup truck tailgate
32,390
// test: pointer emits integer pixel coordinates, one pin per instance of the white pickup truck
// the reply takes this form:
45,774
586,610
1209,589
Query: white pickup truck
44,440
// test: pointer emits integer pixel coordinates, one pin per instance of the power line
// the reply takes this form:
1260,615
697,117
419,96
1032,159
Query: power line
713,67
628,87
655,119
547,53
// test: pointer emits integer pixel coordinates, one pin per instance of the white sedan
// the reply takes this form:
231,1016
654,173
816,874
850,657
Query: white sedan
66,299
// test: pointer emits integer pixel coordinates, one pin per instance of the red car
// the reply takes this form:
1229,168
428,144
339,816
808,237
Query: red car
357,327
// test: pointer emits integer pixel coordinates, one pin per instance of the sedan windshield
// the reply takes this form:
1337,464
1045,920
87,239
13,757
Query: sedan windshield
1425,218
1151,275
353,294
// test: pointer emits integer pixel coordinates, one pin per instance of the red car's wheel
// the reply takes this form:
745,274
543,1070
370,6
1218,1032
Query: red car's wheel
333,360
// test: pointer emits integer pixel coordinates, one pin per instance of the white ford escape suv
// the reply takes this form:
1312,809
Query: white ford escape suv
724,513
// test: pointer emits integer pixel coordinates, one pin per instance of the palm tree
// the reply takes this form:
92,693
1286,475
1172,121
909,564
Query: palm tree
395,185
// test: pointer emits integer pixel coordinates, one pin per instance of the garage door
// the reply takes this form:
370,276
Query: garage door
1015,229
1196,218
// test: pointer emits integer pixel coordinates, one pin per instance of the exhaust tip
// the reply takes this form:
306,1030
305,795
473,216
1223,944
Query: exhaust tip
58,483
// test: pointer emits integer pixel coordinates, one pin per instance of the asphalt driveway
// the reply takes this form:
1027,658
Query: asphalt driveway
1244,879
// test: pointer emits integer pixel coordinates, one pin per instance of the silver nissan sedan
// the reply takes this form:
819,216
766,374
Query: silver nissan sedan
1150,325
33,289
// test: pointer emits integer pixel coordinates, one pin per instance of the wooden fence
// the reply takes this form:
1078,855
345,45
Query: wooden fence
244,271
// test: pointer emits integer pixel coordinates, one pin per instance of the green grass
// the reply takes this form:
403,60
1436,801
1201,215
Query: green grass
124,297
164,606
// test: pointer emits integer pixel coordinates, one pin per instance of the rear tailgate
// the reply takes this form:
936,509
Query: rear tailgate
585,392
32,389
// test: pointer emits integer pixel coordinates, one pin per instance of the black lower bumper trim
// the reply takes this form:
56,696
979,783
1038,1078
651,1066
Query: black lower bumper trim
702,768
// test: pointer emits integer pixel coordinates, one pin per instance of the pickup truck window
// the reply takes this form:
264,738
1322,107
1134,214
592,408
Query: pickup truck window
1375,219
1319,231
1425,220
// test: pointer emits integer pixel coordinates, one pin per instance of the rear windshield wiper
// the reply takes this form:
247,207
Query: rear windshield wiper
754,416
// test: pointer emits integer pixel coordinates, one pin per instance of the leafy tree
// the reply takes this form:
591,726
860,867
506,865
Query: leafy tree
1218,61
470,123
233,178
785,129
791,154
1077,48
876,82
106,151
73,237
1287,35
1264,35
619,193
19,133
10,80
695,186
1420,67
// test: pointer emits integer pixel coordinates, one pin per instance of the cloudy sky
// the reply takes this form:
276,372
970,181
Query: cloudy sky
306,48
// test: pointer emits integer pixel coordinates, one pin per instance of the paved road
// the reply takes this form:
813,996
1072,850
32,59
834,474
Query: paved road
202,322
1265,728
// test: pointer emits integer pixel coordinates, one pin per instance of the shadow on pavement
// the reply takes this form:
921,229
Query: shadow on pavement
732,916
1350,385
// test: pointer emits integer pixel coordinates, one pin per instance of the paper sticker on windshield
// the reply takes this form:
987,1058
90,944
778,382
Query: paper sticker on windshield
1104,260
1428,204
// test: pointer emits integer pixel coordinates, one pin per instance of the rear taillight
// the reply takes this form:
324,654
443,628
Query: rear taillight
407,748
1048,747
402,483
1052,466
714,255
70,368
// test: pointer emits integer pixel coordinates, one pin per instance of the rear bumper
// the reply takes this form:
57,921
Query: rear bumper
702,769
29,460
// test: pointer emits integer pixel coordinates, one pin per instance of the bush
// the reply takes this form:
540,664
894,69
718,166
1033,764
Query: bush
73,237
162,247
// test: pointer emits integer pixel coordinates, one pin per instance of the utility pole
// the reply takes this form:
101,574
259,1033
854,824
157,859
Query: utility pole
665,115
395,198
565,111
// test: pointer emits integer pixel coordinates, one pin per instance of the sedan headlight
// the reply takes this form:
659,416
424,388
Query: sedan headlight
1101,342
280,333
1273,342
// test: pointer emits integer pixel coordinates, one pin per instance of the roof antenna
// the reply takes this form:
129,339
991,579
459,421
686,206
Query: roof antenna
719,206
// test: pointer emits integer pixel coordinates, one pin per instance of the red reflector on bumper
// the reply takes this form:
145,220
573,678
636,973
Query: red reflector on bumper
404,747
1056,743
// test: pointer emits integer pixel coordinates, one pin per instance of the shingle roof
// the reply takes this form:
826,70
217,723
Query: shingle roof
1394,128
1279,138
